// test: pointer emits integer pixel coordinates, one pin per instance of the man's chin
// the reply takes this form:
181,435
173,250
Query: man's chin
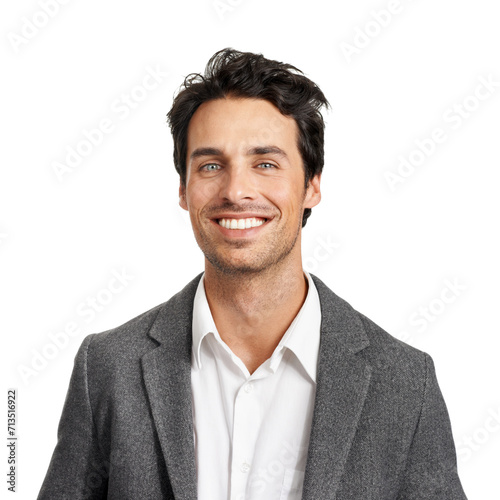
240,267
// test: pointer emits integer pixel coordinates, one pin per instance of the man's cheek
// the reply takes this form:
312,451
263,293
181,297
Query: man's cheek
202,191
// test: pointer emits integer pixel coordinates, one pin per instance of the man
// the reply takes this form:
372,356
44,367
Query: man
255,381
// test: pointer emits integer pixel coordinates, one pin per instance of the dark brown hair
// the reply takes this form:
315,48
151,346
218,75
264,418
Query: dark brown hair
244,74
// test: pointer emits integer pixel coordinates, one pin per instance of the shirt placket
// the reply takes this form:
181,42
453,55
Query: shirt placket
246,425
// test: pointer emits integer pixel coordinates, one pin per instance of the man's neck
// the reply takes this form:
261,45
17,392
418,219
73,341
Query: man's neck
252,312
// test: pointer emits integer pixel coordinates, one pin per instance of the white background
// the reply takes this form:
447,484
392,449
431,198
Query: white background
61,238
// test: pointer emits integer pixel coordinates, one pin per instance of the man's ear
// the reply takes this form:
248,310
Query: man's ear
313,192
182,196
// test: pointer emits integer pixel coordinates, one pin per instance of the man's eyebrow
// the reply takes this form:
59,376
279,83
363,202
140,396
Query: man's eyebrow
205,152
255,151
266,150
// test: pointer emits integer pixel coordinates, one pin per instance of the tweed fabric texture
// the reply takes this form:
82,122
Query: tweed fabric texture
380,429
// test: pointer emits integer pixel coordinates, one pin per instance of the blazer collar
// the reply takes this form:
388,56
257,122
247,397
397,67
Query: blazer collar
342,383
339,321
337,317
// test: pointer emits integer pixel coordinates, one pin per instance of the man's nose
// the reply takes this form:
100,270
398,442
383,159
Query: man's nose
237,184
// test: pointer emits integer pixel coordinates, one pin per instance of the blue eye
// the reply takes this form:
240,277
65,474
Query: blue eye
210,167
266,166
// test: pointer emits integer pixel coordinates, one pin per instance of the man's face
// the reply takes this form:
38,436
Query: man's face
245,185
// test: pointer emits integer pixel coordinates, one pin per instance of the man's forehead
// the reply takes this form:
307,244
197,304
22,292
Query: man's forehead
244,113
254,125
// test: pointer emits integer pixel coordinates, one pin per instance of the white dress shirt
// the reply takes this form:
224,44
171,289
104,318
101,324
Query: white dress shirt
251,432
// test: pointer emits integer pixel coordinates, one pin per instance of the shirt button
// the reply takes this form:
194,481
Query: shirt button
248,388
245,467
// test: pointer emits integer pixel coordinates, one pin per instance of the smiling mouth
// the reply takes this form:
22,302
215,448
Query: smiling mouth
246,223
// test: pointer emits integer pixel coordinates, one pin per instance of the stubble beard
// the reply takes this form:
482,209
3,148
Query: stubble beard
279,248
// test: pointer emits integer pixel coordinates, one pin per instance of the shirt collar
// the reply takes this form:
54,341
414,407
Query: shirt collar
302,336
203,322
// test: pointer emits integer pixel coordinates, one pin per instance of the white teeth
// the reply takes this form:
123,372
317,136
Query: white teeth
241,223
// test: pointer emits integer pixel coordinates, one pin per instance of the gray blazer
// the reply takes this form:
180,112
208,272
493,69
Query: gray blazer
380,428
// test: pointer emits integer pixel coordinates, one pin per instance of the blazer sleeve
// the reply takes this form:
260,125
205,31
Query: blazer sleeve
431,471
78,469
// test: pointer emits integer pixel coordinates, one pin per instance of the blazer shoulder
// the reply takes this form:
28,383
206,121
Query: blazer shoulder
378,347
385,349
134,337
401,369
125,339
380,336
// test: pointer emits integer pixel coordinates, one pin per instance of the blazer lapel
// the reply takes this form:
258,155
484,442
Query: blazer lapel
167,377
341,387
